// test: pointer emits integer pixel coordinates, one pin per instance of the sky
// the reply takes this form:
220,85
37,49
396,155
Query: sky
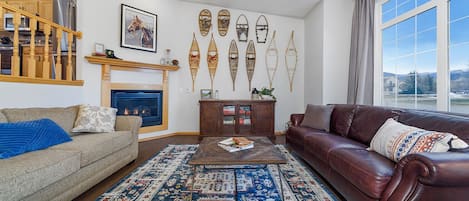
411,44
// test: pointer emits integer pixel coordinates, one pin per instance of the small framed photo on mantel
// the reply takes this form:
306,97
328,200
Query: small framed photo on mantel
138,29
99,50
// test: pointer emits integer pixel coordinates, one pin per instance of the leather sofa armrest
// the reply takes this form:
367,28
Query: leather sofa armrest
447,169
128,123
296,119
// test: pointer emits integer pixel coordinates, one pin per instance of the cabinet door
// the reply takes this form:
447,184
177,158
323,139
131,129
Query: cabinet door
209,118
244,119
229,119
263,119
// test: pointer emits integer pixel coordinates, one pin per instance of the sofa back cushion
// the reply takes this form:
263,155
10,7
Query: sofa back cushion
341,118
318,117
64,117
368,119
437,121
3,119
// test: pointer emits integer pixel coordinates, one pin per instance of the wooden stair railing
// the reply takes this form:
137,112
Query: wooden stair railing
49,27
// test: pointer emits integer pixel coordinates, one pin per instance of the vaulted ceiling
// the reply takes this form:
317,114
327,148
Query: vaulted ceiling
289,8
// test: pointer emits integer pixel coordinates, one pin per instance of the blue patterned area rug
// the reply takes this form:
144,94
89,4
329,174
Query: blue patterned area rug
167,176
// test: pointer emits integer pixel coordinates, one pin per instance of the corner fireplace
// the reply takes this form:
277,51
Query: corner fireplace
147,104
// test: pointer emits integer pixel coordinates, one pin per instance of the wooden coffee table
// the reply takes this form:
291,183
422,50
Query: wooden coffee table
263,153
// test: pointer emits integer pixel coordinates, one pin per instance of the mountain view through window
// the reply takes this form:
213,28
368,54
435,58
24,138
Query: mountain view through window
409,56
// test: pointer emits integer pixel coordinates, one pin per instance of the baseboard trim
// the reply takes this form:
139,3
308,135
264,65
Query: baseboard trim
188,133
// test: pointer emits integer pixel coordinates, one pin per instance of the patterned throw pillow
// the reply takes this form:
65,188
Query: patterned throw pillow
395,140
95,119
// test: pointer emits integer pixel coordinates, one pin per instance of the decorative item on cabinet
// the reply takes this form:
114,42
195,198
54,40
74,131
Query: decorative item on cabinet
242,28
205,21
212,59
291,59
267,94
233,58
262,29
205,94
255,94
223,22
250,61
271,59
194,59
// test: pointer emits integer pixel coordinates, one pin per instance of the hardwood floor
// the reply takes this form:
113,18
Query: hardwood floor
145,151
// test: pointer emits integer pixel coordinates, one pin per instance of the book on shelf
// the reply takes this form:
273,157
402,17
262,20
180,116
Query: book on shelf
229,110
244,121
234,144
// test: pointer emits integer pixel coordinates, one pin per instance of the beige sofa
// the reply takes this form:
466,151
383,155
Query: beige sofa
64,171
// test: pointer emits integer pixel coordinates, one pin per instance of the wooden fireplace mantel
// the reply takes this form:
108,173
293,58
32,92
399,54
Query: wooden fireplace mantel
108,65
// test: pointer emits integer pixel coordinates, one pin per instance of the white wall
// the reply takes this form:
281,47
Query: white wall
100,22
337,33
13,95
314,23
327,37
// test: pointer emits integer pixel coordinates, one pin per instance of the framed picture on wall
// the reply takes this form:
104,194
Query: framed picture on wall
138,29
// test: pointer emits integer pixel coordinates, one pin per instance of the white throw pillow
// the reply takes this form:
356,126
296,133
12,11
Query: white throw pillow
395,140
95,119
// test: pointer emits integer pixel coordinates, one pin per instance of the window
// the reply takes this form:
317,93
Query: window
412,71
459,55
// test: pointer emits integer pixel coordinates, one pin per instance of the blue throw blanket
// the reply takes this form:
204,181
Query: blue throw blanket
21,137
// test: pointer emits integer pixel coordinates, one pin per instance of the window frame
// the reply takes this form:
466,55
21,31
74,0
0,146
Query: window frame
442,49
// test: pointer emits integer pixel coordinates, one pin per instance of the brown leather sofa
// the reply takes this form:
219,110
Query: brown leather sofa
341,155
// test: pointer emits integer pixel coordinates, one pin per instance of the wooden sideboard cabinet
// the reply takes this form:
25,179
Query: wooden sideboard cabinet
237,118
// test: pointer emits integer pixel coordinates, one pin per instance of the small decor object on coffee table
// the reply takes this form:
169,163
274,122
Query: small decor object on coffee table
234,144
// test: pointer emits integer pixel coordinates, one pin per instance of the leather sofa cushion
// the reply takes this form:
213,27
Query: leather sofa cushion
367,120
27,173
435,121
366,170
341,119
96,146
321,144
64,117
318,117
296,136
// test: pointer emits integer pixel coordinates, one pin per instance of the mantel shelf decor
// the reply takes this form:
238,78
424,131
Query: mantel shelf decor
108,65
